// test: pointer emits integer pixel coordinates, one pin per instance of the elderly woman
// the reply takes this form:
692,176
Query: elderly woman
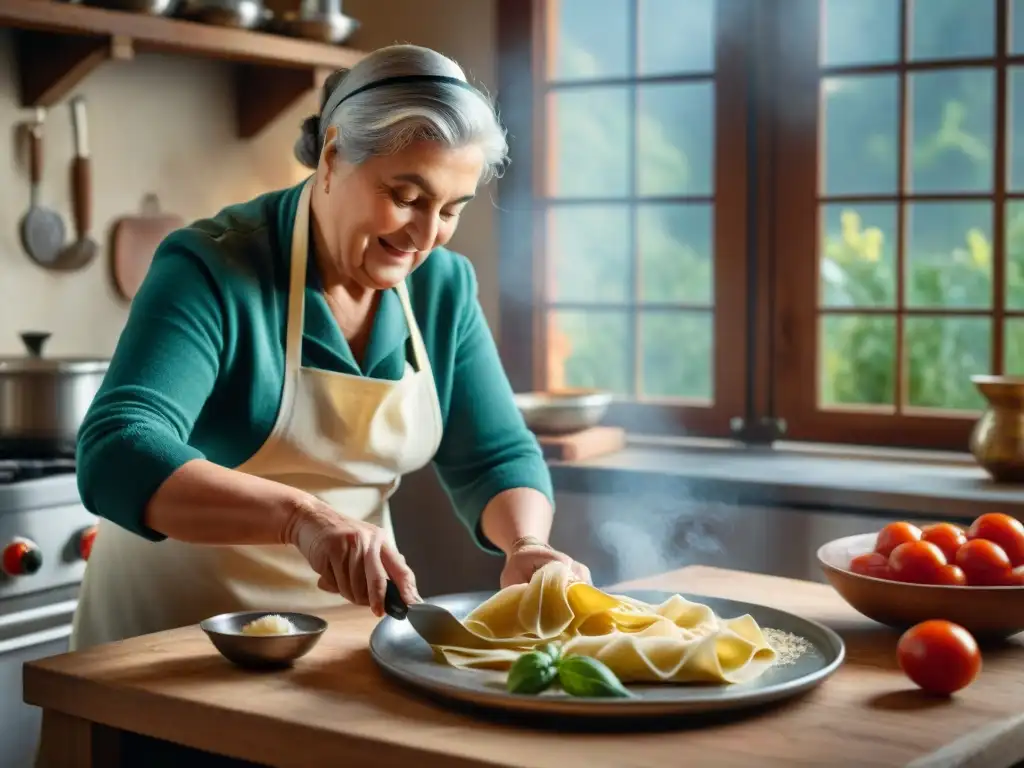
287,361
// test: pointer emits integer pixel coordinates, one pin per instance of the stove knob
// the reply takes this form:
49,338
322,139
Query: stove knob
86,537
21,558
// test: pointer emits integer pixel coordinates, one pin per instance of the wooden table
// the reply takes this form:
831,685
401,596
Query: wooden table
335,708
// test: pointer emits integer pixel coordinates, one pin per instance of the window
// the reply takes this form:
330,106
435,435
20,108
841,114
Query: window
809,209
908,235
638,138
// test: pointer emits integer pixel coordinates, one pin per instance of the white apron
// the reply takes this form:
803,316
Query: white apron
346,439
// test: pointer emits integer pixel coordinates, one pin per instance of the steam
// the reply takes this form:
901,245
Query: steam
643,536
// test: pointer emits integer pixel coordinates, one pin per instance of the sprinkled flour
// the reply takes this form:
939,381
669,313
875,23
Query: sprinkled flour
787,646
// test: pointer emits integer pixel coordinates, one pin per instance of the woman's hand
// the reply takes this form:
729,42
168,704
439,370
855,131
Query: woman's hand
530,554
354,558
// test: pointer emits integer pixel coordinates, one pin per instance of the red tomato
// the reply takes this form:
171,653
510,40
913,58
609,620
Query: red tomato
939,656
1016,577
871,564
894,534
951,576
1006,531
946,536
985,563
917,562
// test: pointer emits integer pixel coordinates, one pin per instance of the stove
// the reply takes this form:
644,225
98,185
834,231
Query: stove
12,470
46,535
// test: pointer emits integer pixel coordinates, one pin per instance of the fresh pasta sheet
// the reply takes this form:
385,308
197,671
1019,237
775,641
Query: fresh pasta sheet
677,641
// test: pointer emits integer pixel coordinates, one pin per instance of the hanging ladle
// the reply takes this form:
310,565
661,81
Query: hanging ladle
42,229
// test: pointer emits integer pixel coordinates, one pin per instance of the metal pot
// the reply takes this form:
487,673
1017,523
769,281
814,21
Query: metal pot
43,401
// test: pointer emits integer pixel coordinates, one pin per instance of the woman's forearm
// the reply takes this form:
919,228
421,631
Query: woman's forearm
203,503
514,514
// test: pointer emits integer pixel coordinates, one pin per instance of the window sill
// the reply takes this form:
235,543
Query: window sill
882,482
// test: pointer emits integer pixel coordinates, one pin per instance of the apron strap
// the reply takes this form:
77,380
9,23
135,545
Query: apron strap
297,284
419,349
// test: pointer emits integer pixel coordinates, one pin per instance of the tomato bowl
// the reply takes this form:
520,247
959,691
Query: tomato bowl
986,612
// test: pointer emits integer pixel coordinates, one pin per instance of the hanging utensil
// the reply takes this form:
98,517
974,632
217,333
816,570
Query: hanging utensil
134,240
84,248
42,229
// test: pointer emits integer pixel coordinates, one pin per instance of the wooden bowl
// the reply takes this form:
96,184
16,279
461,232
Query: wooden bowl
989,612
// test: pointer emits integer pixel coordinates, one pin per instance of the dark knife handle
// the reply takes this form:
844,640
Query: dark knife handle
394,605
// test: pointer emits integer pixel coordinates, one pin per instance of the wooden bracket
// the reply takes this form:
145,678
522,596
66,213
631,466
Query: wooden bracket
263,93
57,45
52,65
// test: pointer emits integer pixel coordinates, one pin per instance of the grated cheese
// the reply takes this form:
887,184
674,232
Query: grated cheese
787,646
271,624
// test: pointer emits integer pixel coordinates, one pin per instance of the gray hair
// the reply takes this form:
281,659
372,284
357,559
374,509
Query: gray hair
384,120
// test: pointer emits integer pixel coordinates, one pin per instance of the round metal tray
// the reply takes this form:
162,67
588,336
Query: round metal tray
404,655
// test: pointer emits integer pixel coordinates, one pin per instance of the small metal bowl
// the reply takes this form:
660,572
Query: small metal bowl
241,14
151,7
262,651
562,412
329,28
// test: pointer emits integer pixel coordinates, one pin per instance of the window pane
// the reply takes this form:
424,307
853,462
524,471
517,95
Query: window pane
676,253
857,360
589,157
953,114
1017,26
1015,127
591,40
949,255
677,359
589,349
861,134
952,29
1014,357
858,255
942,354
588,253
860,32
1015,255
676,37
675,135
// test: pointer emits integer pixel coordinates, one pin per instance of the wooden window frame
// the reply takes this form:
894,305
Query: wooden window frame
522,93
766,231
798,236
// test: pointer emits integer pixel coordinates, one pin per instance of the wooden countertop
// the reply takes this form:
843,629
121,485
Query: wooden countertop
335,705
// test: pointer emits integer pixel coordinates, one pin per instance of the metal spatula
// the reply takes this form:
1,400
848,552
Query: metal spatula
431,622
83,248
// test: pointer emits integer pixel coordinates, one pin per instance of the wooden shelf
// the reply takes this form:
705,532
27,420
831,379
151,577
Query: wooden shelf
57,45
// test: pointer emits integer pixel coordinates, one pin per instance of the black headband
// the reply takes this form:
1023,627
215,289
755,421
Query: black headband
336,99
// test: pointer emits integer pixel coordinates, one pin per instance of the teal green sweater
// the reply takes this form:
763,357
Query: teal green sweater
199,367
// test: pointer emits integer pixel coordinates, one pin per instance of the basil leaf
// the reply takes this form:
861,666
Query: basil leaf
584,676
553,650
531,673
